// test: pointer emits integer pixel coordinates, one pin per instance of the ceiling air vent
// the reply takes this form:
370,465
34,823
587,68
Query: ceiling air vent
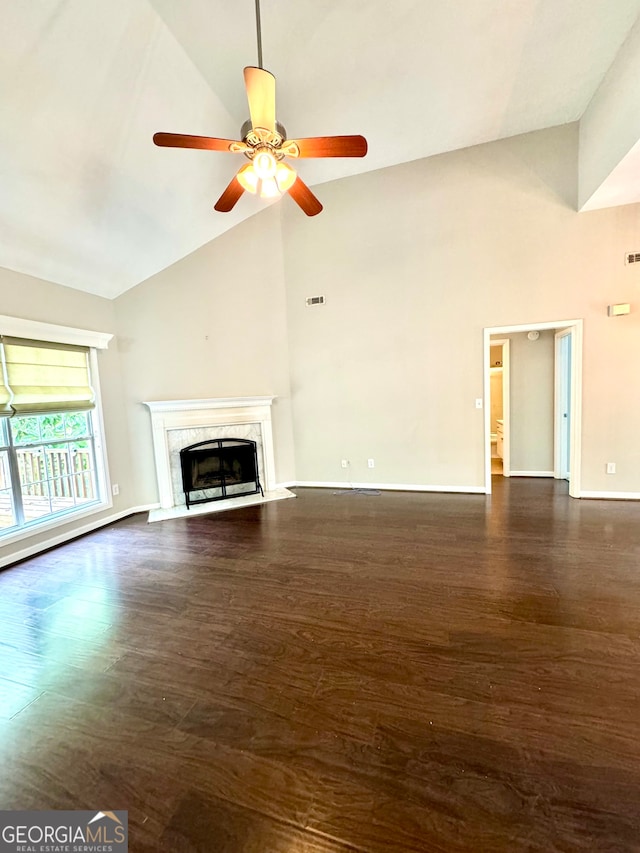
320,300
632,258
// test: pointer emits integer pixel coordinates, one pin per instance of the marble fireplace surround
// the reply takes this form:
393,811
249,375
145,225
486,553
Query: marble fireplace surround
179,423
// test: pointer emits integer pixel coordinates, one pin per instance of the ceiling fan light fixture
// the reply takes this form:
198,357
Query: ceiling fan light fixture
285,177
269,188
264,164
248,179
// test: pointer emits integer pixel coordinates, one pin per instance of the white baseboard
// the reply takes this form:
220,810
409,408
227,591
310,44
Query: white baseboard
532,473
61,538
611,496
389,487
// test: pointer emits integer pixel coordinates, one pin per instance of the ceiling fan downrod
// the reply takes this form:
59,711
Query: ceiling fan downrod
259,34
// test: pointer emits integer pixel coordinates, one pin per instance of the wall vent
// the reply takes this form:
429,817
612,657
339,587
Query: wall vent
632,258
320,300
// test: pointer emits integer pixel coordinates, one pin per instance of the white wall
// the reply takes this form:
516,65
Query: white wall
33,299
212,325
415,261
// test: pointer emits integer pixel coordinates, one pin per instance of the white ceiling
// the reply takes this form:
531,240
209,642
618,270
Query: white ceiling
88,201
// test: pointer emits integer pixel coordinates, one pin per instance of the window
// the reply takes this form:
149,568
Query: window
48,466
51,462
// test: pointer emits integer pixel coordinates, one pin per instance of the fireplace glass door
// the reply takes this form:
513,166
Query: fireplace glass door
219,468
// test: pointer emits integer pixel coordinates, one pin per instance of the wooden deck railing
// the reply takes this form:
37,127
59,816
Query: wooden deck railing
55,466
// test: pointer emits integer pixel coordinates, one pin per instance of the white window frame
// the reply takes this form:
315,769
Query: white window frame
17,327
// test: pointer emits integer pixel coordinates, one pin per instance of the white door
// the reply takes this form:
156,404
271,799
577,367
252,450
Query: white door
562,466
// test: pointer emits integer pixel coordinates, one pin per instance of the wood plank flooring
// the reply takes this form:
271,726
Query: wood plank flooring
340,672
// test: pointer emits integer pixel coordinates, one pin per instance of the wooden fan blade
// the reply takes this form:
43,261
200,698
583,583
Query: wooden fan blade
182,140
303,196
261,94
229,197
328,146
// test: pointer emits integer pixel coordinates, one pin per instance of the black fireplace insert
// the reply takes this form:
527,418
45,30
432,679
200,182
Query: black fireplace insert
219,468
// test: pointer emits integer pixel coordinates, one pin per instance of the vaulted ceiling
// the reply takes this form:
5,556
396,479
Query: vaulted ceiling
86,199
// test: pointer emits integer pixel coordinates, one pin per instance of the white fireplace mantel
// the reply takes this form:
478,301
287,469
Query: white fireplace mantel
167,415
208,403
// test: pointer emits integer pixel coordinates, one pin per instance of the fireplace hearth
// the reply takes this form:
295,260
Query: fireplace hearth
218,469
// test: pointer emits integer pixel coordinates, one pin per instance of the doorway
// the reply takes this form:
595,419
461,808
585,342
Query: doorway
567,398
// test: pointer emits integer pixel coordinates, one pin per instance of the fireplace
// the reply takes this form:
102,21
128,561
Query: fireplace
219,468
180,424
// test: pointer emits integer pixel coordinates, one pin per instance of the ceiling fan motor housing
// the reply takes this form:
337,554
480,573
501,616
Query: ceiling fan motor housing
260,136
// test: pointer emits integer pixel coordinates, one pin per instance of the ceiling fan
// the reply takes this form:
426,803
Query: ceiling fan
265,144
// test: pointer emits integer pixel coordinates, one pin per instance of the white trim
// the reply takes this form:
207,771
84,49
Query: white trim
612,496
207,403
486,391
99,439
31,550
532,474
528,327
388,487
575,432
18,327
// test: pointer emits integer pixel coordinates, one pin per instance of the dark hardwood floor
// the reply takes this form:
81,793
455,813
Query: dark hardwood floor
339,672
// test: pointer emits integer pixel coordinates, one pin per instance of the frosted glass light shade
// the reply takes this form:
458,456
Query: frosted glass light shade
285,177
270,186
248,179
264,164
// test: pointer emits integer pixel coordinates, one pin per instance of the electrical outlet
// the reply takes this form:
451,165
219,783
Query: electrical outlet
115,489
611,467
371,463
345,463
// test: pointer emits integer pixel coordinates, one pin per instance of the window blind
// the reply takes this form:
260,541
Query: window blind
5,396
44,377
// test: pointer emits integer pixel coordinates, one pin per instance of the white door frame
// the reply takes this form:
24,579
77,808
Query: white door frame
576,394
